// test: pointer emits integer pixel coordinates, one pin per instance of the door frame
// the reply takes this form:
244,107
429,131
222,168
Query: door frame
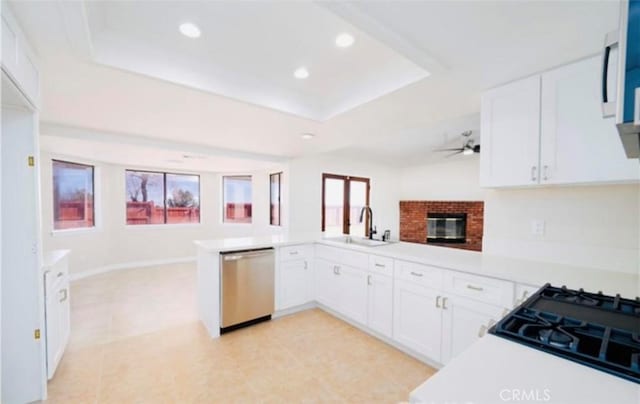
346,205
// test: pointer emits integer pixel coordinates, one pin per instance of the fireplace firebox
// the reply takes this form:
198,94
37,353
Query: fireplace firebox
446,227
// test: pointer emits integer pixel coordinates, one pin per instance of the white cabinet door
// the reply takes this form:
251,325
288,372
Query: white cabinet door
352,290
462,321
326,283
510,133
577,144
294,283
380,303
52,332
417,322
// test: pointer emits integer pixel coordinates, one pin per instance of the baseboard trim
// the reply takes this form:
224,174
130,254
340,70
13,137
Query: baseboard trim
128,265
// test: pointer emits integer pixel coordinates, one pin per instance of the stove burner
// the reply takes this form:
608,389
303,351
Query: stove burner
555,338
584,300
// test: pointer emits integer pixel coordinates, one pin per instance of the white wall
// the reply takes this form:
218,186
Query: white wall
456,179
590,226
113,243
305,184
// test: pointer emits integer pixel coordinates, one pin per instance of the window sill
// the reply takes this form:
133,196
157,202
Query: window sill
236,224
162,226
74,232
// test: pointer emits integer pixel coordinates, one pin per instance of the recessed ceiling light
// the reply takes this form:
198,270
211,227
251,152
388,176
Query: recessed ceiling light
307,136
344,40
190,30
301,73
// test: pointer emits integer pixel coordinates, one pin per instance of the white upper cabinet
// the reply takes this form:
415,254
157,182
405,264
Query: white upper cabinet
18,60
578,145
510,129
548,129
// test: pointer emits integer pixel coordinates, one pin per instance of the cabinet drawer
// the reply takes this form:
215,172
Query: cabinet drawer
295,252
381,265
423,275
488,290
342,256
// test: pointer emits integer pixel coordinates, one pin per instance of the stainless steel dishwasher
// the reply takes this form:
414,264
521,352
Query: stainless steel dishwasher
246,287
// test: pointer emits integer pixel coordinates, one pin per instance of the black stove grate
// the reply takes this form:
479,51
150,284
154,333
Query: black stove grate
593,329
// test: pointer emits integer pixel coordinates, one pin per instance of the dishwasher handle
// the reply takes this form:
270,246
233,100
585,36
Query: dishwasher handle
238,255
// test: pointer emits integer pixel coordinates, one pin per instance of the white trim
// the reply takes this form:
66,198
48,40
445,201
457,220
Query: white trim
128,265
76,231
162,226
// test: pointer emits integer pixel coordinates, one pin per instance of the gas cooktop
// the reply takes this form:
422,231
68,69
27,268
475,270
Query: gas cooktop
589,328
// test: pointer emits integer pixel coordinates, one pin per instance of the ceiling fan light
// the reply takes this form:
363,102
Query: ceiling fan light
467,151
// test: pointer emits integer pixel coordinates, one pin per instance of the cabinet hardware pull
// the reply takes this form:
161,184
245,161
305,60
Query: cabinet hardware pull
476,288
59,274
482,331
380,265
438,301
368,279
66,295
444,303
533,173
306,264
293,253
545,172
337,269
525,294
416,273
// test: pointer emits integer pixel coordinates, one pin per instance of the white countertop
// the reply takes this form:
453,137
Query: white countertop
495,370
533,273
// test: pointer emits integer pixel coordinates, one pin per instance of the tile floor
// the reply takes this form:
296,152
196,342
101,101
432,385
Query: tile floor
136,339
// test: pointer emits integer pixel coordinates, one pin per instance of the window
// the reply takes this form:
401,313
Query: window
236,199
72,195
343,198
159,198
274,198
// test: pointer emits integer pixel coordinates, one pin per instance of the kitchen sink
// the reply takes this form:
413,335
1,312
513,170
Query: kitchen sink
357,241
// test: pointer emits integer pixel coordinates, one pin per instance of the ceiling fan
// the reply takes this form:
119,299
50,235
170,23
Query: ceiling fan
468,148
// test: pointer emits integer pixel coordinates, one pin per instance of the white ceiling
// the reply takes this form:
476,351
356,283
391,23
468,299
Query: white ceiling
248,51
467,46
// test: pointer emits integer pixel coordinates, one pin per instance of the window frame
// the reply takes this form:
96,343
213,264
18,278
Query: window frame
74,230
271,223
222,199
346,205
164,200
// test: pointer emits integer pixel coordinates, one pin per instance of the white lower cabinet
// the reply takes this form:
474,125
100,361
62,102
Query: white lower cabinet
326,282
295,281
343,289
462,324
294,276
352,290
380,303
417,321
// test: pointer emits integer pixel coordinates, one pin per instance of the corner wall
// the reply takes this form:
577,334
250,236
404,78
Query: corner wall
113,244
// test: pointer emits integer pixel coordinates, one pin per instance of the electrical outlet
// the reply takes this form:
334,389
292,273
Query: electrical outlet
537,227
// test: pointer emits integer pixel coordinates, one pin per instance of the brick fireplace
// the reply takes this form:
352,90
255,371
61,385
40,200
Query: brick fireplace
414,214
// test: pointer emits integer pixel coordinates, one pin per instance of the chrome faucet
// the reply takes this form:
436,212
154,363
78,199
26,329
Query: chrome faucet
372,230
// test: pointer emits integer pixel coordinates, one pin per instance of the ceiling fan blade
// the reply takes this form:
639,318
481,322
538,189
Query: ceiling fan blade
453,149
453,154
